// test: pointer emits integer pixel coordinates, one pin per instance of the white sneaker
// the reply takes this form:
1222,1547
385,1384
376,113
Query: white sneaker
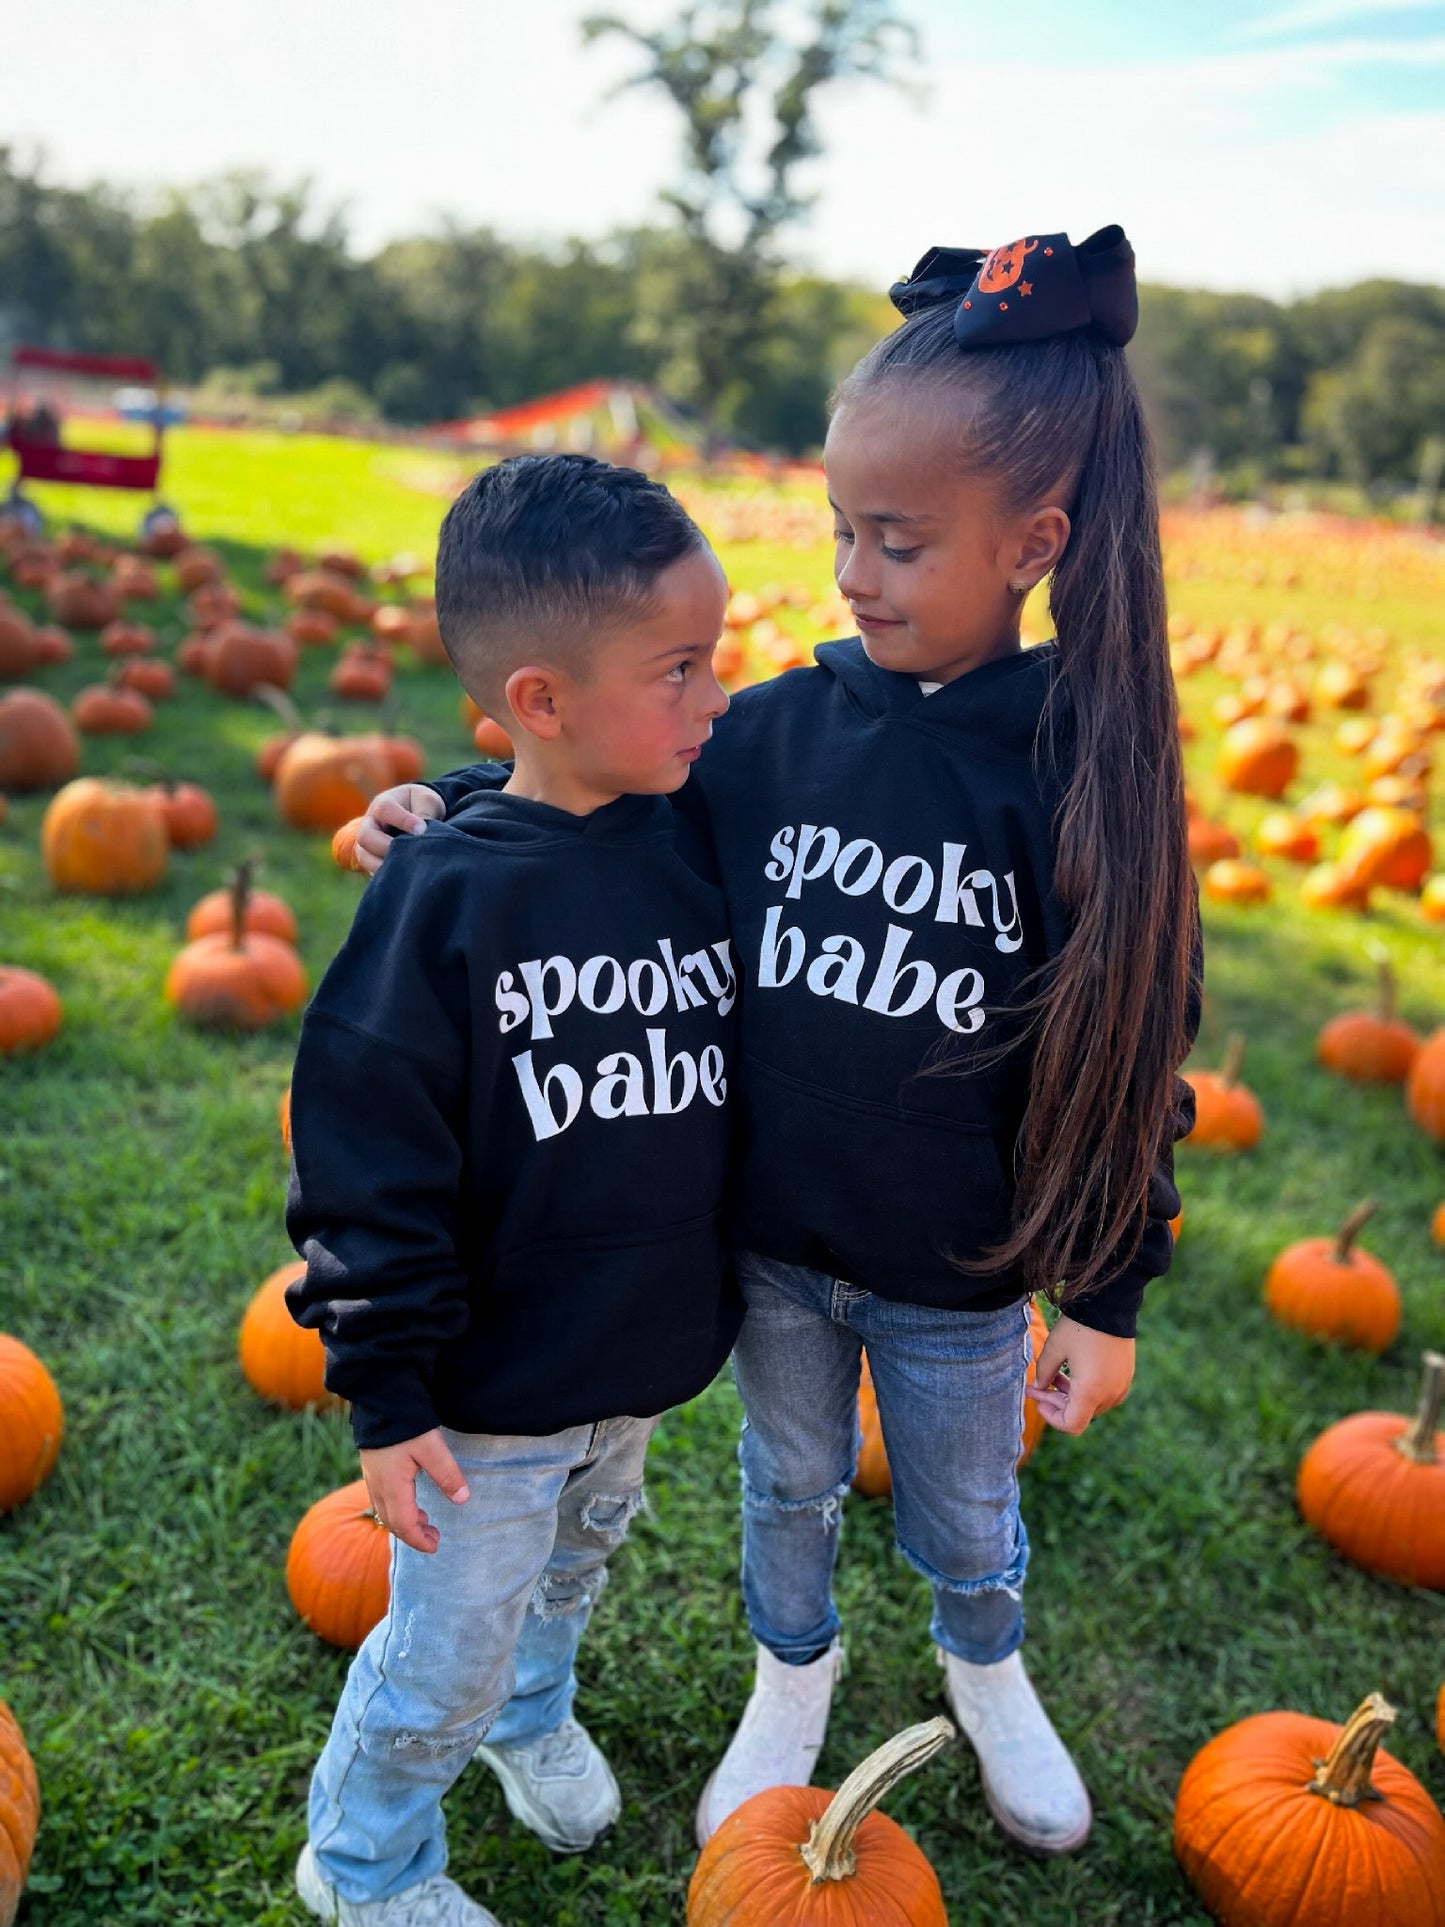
438,1902
1031,1784
560,1786
779,1736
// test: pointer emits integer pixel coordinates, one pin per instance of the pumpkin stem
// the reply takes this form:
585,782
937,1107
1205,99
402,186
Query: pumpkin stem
1351,1229
1417,1441
829,1854
1344,1777
278,700
1233,1058
243,878
1387,992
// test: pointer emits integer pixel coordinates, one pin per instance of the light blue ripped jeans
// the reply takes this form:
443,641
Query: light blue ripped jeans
478,1642
950,1397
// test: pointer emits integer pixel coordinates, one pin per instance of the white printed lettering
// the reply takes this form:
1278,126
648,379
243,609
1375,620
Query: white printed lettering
538,1097
618,1091
768,976
838,971
826,841
891,973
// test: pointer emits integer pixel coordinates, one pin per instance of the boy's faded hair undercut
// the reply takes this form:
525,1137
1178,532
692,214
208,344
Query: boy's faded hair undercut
549,552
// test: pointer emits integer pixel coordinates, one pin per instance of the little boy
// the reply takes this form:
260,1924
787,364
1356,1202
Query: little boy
510,1150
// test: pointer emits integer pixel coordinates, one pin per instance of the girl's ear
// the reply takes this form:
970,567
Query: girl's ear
1043,538
531,694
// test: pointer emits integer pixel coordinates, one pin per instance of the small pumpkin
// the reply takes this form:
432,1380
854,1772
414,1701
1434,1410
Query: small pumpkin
52,644
1231,881
282,1360
242,980
1258,757
126,638
154,679
338,1567
196,566
1390,847
104,709
343,844
1287,1821
1425,1086
1210,842
311,628
80,602
1373,1485
800,1855
1370,1046
39,749
322,780
240,658
1329,887
104,839
265,915
1332,1288
492,740
32,1423
30,1010
362,673
1281,833
18,654
1228,1116
189,811
19,1813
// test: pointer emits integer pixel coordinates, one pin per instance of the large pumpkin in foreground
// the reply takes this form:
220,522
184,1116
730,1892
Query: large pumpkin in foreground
1287,1821
338,1568
32,1423
1374,1486
19,1813
800,1857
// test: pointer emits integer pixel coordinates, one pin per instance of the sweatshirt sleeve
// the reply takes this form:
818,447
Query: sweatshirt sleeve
377,1101
458,784
1114,1306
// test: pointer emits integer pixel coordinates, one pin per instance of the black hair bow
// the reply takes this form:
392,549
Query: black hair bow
1029,290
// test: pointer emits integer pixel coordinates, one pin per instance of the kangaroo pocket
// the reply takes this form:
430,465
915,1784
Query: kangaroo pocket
873,1193
570,1330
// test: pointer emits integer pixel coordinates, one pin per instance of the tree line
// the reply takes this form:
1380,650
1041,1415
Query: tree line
255,287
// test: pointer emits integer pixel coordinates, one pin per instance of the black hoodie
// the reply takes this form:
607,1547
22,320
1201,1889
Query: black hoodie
509,1132
888,858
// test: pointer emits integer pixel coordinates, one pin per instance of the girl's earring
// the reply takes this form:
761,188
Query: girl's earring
1019,588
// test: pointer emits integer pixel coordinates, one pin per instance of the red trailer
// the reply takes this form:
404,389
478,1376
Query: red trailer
33,426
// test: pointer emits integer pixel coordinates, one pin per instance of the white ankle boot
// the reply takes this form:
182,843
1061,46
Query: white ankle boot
778,1739
1031,1784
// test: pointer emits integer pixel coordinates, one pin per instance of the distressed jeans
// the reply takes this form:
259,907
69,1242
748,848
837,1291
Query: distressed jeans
478,1642
950,1398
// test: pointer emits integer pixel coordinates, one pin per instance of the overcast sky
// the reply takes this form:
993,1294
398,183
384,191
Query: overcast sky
1242,144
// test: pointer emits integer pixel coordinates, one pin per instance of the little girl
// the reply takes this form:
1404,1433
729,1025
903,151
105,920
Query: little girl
958,880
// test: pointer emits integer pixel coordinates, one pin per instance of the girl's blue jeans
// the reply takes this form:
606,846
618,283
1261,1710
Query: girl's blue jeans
950,1397
478,1643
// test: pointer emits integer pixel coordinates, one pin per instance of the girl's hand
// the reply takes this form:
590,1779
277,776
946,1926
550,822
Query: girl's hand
405,809
1101,1370
390,1473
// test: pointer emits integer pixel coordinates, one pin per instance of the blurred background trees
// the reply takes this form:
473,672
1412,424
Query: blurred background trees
251,287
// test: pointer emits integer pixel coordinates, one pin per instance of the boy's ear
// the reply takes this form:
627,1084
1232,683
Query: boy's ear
531,694
1044,538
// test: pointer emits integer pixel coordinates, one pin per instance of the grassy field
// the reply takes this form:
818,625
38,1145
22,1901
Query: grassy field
172,1701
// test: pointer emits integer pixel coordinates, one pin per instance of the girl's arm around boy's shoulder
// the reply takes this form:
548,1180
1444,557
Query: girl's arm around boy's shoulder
377,1091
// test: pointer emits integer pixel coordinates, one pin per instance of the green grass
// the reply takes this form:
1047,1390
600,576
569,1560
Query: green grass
173,1703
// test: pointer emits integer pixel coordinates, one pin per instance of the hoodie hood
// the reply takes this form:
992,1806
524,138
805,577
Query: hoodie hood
501,817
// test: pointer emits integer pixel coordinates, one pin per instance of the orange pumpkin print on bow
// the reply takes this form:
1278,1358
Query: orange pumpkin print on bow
1004,266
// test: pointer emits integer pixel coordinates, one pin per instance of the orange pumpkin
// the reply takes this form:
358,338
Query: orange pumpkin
801,1856
155,680
189,813
1437,1224
282,1360
239,658
1390,847
30,1010
1331,1288
324,589
39,749
19,1813
492,740
311,628
197,566
361,674
338,1568
1432,899
1330,803
283,1113
242,980
103,709
1328,887
1210,842
265,915
80,602
104,839
126,638
1373,1485
1282,834
343,844
322,780
32,1423
18,654
1287,1821
52,644
1258,757
1228,1116
1230,881
1370,1046
1425,1085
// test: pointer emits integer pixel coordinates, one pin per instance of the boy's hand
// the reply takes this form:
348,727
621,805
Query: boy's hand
390,1473
1101,1370
405,809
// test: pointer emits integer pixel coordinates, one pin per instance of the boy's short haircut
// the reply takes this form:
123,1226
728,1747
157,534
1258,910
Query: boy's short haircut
551,550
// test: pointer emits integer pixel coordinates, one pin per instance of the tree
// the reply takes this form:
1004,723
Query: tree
708,303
